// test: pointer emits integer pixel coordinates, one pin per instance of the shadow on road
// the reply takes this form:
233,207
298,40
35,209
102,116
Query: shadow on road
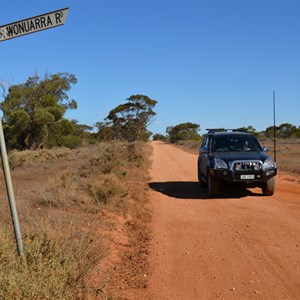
193,190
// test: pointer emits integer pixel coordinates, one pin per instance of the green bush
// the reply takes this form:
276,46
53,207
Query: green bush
159,137
92,140
71,141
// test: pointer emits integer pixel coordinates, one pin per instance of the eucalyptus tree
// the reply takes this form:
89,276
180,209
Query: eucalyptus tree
183,131
130,120
36,108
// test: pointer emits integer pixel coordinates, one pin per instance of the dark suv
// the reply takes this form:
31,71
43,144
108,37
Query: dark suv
235,159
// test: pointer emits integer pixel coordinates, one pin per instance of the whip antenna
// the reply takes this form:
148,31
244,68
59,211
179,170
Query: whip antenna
274,126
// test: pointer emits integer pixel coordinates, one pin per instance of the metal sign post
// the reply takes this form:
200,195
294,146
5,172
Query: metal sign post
10,192
7,32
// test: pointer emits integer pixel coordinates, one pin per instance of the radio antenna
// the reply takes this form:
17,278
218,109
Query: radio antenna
274,126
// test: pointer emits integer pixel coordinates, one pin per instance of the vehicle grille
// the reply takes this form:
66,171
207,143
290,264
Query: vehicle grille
246,166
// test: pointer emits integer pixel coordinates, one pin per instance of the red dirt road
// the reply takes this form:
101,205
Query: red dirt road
240,246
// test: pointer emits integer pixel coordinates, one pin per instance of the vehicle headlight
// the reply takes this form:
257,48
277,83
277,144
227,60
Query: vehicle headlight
269,164
220,164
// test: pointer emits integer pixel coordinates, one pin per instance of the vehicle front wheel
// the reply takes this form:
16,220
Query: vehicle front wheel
213,184
269,187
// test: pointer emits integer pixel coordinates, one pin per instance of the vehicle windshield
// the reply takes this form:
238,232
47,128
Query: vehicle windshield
235,142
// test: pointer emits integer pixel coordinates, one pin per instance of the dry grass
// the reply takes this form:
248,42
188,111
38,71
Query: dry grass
29,157
287,155
63,225
53,267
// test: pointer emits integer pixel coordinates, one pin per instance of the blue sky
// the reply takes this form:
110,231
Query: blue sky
215,63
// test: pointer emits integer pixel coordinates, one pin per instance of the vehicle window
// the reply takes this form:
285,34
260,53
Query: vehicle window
205,142
235,143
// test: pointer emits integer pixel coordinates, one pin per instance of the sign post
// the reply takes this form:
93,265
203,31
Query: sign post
10,192
7,32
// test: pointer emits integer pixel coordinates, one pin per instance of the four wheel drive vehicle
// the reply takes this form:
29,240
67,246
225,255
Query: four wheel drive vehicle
234,159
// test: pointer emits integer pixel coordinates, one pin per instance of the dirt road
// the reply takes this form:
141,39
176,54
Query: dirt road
240,246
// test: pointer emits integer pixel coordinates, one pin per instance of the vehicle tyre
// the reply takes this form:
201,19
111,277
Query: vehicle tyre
202,183
269,187
199,173
213,184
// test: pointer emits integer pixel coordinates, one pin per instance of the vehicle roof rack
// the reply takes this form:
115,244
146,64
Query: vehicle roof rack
212,130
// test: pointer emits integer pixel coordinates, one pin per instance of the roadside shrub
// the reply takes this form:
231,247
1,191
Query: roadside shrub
53,267
108,190
29,157
159,137
92,140
135,153
71,141
108,159
44,273
60,190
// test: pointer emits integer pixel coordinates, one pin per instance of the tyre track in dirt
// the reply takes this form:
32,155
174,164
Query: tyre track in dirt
240,246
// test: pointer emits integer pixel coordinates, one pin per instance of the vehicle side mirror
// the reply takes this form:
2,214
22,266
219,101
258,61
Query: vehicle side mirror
265,149
203,150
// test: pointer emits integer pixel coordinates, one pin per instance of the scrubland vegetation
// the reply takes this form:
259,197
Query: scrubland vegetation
70,202
76,204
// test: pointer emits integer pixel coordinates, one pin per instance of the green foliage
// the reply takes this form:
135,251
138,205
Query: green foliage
144,136
92,140
287,130
42,117
129,121
31,109
71,141
184,131
59,130
283,131
106,132
159,137
250,129
20,118
188,131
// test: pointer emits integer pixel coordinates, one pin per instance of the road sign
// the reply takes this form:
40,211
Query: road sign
10,31
34,24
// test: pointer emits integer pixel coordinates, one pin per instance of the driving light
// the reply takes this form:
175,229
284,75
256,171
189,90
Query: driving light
220,164
256,166
238,167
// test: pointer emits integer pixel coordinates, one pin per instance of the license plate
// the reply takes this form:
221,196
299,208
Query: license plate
247,176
